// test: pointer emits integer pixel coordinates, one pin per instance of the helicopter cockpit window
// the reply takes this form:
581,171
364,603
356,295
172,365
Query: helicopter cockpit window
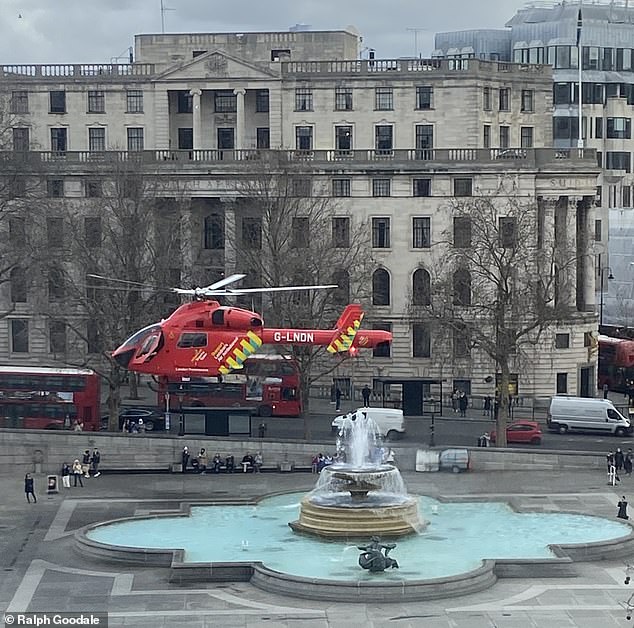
218,317
133,341
151,345
192,339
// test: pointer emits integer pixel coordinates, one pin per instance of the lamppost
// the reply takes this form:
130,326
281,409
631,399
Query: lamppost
610,276
181,426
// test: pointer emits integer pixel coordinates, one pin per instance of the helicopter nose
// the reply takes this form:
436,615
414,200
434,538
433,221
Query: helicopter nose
123,358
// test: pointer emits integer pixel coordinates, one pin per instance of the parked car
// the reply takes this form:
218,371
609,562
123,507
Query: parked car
152,419
521,432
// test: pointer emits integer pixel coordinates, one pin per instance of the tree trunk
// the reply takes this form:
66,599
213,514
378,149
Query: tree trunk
502,405
134,385
114,399
306,411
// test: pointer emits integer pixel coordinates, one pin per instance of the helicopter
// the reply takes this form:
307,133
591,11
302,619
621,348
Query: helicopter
204,338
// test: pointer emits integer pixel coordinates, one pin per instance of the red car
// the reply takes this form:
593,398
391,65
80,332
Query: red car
522,432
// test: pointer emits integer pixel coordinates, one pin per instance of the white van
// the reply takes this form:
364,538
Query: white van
585,414
390,421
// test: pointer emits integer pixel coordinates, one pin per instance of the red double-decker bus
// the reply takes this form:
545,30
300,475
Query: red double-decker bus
268,382
616,363
49,398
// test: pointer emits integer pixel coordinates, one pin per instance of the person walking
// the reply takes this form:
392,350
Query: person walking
454,401
257,461
463,402
65,475
618,459
95,459
628,462
85,463
622,506
28,488
338,394
365,393
77,473
487,406
184,459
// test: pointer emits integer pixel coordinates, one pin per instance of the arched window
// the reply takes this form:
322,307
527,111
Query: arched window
380,287
341,295
214,232
462,287
421,287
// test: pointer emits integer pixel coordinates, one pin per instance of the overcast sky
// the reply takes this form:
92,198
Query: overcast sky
90,31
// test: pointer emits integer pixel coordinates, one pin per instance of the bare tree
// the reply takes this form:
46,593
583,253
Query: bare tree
129,228
286,230
500,279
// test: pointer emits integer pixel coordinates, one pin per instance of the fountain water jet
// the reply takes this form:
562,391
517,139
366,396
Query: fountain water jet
362,496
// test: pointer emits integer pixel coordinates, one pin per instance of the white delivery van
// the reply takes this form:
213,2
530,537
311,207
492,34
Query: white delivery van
390,421
587,415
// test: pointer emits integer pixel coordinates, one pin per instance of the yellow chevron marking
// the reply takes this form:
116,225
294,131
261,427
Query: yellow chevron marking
223,370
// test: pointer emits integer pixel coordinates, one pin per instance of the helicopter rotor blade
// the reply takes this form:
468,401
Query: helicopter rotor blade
223,282
132,285
238,291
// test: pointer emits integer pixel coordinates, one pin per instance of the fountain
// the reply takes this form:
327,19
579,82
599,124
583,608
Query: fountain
361,497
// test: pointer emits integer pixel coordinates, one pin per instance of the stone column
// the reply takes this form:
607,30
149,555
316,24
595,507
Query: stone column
240,122
585,252
565,249
197,120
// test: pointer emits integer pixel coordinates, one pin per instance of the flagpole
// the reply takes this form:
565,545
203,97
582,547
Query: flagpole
580,64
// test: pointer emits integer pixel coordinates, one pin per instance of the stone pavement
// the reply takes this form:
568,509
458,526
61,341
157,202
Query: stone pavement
41,570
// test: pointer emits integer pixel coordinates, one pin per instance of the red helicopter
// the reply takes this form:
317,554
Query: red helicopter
204,338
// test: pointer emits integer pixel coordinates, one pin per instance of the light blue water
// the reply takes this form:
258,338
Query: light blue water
456,540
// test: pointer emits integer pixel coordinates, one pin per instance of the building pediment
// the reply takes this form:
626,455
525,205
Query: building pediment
217,64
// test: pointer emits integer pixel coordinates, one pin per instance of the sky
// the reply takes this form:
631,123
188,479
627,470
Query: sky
97,31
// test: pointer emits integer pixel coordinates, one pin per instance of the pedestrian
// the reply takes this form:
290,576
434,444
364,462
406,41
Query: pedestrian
77,473
487,406
77,426
365,393
141,426
184,459
85,463
609,460
338,394
628,462
605,391
66,475
463,402
618,459
257,461
454,401
203,459
28,488
95,459
622,506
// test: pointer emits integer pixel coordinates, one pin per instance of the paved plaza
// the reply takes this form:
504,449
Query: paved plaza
42,571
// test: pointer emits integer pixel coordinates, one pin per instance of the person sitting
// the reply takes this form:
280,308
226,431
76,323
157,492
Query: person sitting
315,464
230,464
247,463
202,461
216,463
321,462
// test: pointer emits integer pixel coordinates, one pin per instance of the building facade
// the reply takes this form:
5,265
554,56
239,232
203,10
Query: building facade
393,142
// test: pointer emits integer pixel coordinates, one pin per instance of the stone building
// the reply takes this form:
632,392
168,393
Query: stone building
393,141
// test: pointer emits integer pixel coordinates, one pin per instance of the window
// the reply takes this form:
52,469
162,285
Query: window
97,139
214,232
185,138
343,99
619,128
57,336
54,232
189,339
562,383
462,287
263,137
19,102
381,187
261,100
625,196
300,233
421,340
341,187
504,100
303,99
421,287
505,136
383,142
252,232
527,100
421,187
134,101
93,188
19,335
598,232
17,278
341,294
92,231
55,283
615,160
486,136
55,188
508,232
96,102
341,233
421,233
463,187
461,342
562,94
21,139
343,138
462,232
383,349
383,99
562,341
225,101
486,98
304,138
16,187
424,141
588,339
135,138
278,54
526,137
380,287
57,102
301,187
94,343
226,139
58,140
381,233
17,231
424,96
184,102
